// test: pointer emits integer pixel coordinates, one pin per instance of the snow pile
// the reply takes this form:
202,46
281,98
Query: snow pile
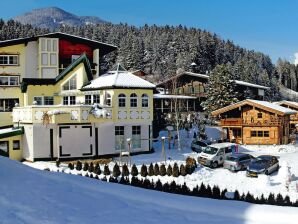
62,198
99,112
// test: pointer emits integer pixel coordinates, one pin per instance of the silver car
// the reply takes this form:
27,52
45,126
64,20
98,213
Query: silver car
237,161
262,164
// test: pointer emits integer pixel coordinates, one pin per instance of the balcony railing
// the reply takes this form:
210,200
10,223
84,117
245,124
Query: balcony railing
242,122
60,114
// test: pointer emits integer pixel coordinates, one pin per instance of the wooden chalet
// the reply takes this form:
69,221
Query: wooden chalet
255,122
294,117
193,84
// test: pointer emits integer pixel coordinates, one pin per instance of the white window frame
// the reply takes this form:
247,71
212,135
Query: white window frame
108,99
133,100
8,61
145,98
94,97
121,100
69,85
136,132
119,138
9,81
43,100
68,100
89,99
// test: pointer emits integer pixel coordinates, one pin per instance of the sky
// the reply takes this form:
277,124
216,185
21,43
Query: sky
268,26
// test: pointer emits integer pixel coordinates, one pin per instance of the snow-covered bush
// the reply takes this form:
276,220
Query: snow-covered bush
86,166
176,172
183,170
79,166
70,166
169,170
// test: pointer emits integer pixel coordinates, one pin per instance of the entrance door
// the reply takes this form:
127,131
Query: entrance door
4,148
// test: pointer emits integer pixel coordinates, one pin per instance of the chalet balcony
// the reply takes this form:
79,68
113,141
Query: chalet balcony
257,123
60,114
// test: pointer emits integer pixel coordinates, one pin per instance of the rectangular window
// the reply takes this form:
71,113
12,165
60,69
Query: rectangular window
37,100
48,100
44,59
9,59
55,45
48,45
260,115
96,98
72,100
237,132
260,133
9,80
119,138
43,45
88,99
266,134
71,84
65,100
253,134
136,137
16,145
53,59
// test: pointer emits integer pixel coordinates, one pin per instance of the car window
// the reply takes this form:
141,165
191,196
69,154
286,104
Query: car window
201,144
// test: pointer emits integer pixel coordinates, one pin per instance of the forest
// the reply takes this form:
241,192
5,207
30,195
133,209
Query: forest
161,51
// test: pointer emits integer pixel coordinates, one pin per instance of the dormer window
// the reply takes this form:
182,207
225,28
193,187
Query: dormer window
71,84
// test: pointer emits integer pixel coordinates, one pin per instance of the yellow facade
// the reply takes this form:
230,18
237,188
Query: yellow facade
15,154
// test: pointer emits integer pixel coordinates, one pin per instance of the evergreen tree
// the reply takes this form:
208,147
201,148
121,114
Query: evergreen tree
86,166
163,170
116,170
156,169
91,167
134,170
70,166
106,170
183,170
144,171
79,166
151,170
125,171
175,170
220,90
169,170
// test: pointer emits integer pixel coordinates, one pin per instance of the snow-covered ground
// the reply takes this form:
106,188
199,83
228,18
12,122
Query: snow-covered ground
34,196
224,179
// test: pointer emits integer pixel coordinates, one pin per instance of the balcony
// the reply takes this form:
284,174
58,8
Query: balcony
258,123
61,114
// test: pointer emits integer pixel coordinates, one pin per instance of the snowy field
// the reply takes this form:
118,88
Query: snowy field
224,179
33,196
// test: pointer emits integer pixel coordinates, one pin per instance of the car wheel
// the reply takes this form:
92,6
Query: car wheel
214,165
266,172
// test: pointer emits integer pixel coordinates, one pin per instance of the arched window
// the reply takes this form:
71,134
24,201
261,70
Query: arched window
108,99
121,100
145,100
133,100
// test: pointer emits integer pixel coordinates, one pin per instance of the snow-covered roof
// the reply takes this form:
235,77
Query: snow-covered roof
165,96
273,106
8,132
289,103
242,83
261,104
120,79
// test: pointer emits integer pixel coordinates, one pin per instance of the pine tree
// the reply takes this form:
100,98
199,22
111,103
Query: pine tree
134,170
91,167
220,90
169,170
144,171
175,170
183,170
125,171
106,170
156,169
86,166
70,166
163,170
116,170
151,170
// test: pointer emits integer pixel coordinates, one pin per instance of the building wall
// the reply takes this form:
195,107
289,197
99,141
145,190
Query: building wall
27,142
31,60
274,136
15,154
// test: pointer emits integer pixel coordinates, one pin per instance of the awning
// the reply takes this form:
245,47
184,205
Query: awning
10,132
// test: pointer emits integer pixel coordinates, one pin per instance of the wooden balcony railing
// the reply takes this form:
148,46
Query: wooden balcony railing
241,122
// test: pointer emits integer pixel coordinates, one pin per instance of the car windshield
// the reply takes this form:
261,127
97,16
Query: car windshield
231,158
210,150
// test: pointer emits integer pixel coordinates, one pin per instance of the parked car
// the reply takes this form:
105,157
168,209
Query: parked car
262,164
215,154
199,145
237,161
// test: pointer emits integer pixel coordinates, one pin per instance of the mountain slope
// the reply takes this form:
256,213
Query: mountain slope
35,196
52,18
